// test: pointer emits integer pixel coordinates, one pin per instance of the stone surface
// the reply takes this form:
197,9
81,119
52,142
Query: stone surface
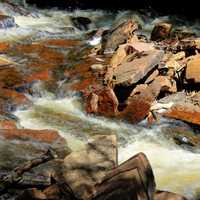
193,69
161,31
103,102
163,195
82,170
119,35
132,179
131,72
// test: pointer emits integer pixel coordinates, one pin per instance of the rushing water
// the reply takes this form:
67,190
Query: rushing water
175,168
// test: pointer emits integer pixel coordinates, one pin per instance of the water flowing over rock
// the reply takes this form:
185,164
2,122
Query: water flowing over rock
6,22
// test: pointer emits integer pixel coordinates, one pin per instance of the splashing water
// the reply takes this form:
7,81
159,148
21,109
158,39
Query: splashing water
175,169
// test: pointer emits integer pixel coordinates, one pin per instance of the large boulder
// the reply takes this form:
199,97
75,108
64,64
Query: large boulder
131,72
193,69
83,169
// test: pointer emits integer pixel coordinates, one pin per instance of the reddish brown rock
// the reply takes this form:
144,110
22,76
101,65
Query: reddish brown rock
161,31
62,43
32,194
8,124
185,112
193,69
103,102
47,136
4,47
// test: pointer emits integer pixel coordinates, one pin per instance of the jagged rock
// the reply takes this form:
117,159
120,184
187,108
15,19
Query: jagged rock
102,102
32,194
81,23
131,72
152,76
193,69
161,31
163,195
6,22
82,170
132,179
119,35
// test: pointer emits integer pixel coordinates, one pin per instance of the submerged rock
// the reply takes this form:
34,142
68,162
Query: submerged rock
81,23
6,22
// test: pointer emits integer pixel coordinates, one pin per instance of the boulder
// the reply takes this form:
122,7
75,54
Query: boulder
131,72
127,49
193,69
103,102
83,169
6,22
113,38
81,23
186,112
132,179
161,31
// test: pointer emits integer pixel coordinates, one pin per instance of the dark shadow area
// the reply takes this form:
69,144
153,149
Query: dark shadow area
185,8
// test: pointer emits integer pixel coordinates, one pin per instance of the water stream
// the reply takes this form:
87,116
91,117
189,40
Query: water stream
176,169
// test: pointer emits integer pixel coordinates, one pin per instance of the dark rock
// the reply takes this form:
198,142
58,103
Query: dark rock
111,39
161,31
163,195
81,23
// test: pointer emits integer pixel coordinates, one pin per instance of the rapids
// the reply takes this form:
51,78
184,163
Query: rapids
176,169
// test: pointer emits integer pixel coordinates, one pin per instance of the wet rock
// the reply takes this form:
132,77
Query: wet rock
8,124
82,170
6,22
10,100
4,47
131,72
163,195
103,102
161,31
119,35
81,23
132,179
186,112
193,69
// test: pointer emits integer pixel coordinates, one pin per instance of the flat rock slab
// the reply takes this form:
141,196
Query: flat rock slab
19,145
83,169
131,72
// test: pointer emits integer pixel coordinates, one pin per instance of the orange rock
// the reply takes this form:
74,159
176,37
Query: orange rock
30,48
188,113
44,75
103,102
47,136
193,69
10,77
52,56
8,124
62,42
4,47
